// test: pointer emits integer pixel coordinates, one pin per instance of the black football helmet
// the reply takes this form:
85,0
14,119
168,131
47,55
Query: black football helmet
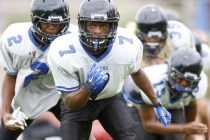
99,11
185,63
52,12
151,22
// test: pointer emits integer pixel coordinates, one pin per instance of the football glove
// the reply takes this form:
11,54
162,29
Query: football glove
96,80
19,118
162,114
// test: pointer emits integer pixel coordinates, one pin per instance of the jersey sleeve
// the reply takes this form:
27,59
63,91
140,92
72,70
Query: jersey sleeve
6,56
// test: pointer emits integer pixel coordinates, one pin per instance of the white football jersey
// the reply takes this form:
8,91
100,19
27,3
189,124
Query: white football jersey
69,61
179,35
205,55
158,80
35,90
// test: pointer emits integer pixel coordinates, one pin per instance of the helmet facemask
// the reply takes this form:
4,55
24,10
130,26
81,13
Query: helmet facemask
151,29
48,38
98,41
152,49
49,12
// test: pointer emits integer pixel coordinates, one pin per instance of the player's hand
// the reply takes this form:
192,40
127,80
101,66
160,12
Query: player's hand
96,80
18,119
162,114
195,128
6,117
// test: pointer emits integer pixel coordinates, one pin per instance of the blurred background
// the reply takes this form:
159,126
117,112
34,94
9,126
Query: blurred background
194,13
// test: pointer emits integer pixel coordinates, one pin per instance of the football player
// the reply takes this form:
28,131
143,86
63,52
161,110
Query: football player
178,85
89,71
161,37
28,87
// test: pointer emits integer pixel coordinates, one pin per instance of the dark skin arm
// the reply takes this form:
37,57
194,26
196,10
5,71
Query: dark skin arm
190,111
8,87
142,81
152,125
190,115
203,114
76,99
8,92
79,98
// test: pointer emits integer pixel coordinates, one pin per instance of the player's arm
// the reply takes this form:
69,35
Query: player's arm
202,113
152,125
8,83
73,95
190,116
190,111
76,99
95,82
142,81
8,91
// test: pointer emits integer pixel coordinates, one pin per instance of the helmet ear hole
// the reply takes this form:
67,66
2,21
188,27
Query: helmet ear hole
51,12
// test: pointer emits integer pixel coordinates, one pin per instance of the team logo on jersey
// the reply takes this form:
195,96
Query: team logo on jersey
33,56
33,53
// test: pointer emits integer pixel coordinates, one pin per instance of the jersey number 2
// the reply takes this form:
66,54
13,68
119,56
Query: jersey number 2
42,67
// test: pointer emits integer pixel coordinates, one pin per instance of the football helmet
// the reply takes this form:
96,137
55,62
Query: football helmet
185,63
180,36
52,12
99,11
151,22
